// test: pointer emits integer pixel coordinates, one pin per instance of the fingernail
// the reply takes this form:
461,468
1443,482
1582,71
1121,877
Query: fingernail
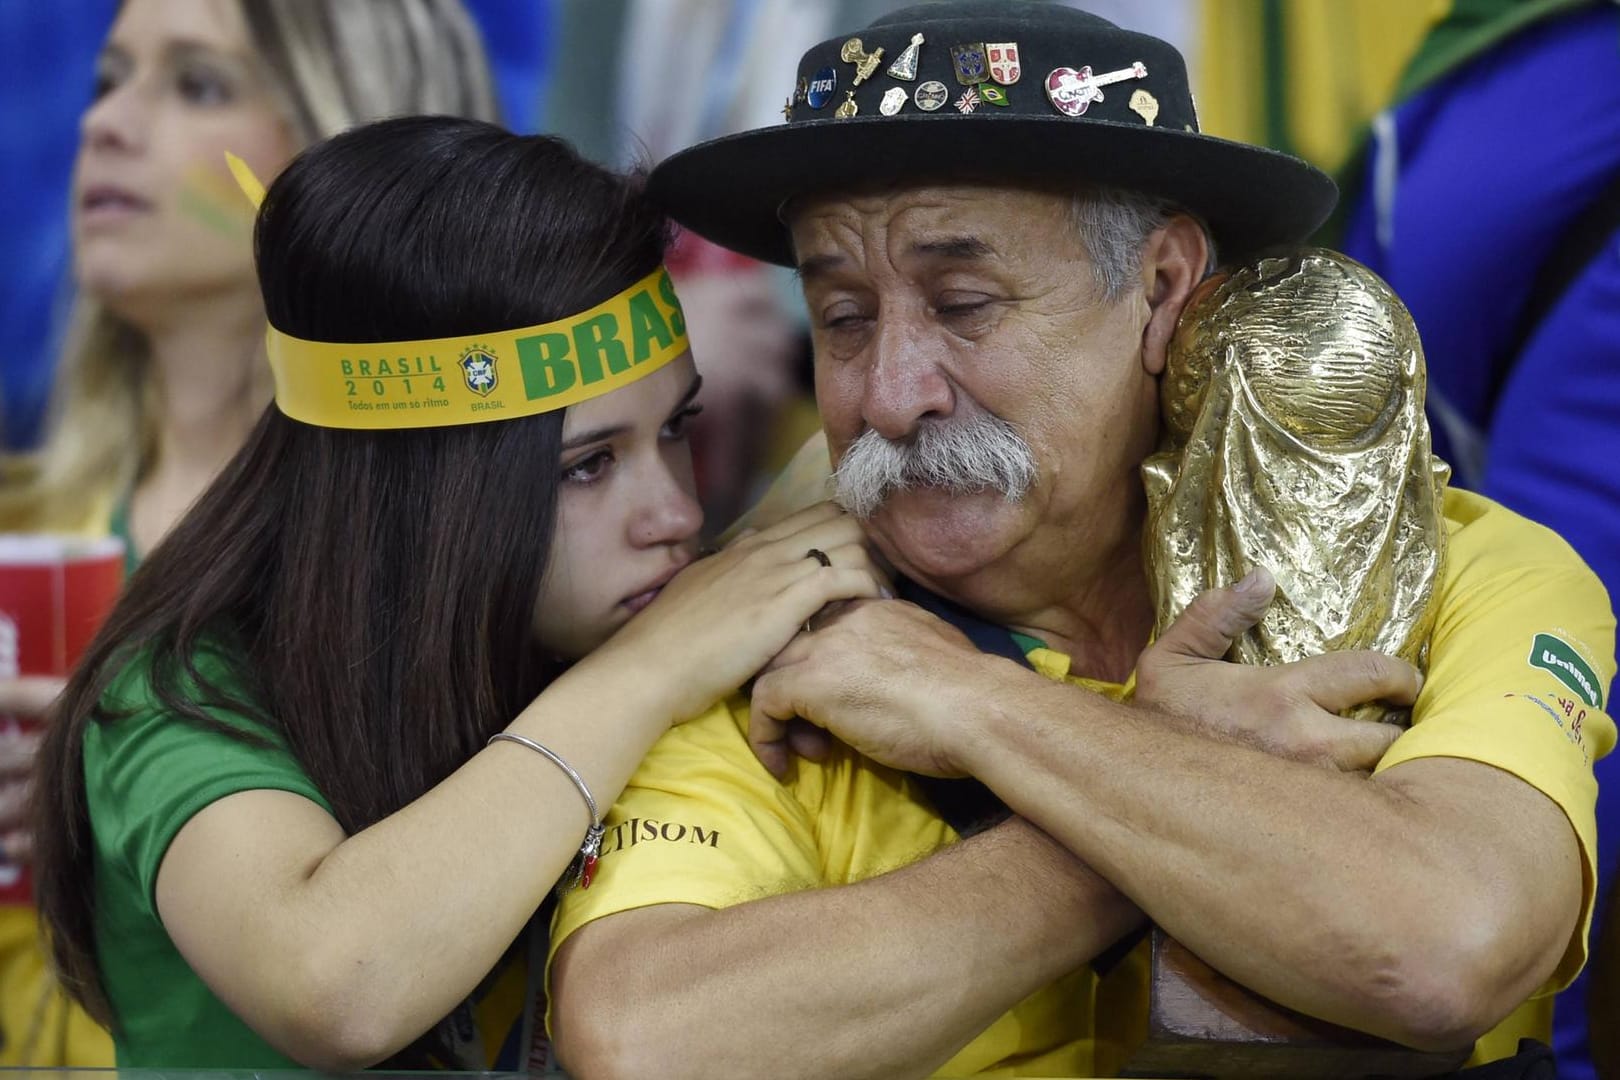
885,593
1249,581
1419,690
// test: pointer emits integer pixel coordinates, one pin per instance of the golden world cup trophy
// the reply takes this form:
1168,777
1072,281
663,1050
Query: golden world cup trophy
1295,440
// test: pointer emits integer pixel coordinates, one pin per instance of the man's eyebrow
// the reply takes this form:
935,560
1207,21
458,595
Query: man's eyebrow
954,247
815,266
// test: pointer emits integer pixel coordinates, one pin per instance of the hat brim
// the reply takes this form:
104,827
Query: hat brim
733,190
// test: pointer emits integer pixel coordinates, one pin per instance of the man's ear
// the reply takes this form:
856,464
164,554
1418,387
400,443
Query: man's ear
1173,262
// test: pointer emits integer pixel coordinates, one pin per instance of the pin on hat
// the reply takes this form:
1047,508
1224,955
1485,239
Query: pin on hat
865,62
848,108
931,95
894,99
905,65
823,84
1071,92
969,62
1145,105
1003,60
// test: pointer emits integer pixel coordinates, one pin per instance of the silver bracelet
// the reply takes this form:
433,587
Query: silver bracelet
583,867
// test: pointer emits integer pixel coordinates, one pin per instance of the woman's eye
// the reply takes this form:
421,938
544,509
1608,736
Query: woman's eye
589,469
201,87
109,73
676,428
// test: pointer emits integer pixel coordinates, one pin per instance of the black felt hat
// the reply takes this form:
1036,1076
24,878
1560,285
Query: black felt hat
1021,91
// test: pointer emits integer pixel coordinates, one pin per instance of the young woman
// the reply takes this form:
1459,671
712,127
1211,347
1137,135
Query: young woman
273,827
160,380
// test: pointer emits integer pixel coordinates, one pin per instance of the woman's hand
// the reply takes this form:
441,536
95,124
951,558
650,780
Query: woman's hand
723,618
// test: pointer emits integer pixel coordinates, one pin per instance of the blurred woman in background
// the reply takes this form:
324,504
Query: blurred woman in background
162,374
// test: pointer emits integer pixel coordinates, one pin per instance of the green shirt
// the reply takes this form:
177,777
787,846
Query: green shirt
146,775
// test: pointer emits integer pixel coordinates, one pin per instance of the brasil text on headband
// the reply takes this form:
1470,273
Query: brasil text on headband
475,378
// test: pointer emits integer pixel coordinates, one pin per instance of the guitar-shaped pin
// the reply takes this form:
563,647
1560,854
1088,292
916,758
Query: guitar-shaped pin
1071,92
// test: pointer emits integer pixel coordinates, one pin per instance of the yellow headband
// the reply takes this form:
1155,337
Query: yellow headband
480,377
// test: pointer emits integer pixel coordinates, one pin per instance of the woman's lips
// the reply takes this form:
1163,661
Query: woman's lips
641,599
109,203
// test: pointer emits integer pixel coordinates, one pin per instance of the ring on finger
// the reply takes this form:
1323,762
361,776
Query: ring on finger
818,555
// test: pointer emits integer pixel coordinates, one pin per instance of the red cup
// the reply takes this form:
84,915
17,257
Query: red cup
54,594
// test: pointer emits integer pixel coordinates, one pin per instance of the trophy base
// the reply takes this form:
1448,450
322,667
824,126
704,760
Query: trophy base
1202,1024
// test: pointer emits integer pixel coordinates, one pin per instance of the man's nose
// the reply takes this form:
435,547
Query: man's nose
905,381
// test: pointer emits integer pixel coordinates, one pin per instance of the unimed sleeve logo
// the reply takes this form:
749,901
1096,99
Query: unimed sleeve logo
1555,655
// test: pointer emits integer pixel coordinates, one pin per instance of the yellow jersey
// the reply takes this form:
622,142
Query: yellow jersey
1520,661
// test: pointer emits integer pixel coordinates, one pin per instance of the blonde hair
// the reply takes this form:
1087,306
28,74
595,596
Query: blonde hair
333,65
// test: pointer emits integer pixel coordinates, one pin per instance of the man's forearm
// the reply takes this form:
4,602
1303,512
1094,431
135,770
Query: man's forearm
1329,892
888,977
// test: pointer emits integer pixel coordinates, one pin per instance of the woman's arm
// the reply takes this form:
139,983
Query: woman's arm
340,951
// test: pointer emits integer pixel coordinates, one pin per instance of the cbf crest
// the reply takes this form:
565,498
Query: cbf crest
970,64
478,370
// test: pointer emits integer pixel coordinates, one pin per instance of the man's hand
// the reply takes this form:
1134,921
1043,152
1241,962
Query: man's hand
886,677
1289,710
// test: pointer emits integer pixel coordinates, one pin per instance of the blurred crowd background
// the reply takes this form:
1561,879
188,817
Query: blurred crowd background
628,82
1477,143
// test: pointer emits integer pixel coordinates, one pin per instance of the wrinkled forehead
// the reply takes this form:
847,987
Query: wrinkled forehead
962,218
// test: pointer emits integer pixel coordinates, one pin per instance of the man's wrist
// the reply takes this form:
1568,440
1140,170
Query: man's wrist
981,724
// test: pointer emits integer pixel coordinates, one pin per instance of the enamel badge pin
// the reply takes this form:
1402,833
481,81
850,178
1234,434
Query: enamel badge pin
931,95
905,65
1071,92
1003,59
970,65
823,84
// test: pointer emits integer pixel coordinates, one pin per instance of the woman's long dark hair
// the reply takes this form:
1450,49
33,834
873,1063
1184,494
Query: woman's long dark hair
375,590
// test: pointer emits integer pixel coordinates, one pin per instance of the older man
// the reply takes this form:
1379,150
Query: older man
991,287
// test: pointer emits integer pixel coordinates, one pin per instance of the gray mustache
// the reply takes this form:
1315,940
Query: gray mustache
960,456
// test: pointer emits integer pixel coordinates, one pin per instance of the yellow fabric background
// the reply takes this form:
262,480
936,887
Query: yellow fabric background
1341,63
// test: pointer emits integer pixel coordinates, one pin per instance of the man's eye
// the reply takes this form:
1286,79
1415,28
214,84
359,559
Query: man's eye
962,307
